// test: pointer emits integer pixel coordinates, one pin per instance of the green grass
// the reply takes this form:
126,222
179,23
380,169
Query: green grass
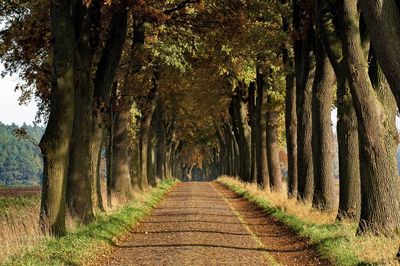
89,241
333,241
15,202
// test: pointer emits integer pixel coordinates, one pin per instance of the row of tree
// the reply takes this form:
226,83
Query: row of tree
335,46
202,88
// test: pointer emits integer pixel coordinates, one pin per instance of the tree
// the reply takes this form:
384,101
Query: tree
55,141
380,202
322,131
347,132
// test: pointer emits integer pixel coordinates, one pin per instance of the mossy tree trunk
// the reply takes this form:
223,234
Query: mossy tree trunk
55,143
379,177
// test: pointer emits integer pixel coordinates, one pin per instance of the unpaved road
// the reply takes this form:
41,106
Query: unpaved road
206,224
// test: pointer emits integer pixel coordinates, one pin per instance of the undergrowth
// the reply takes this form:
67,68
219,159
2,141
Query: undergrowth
90,241
334,240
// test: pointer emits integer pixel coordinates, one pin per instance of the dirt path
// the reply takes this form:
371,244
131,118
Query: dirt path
206,224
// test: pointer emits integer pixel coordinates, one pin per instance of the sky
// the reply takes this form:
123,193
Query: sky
10,110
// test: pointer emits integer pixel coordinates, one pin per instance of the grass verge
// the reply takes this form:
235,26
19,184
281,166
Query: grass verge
335,241
89,241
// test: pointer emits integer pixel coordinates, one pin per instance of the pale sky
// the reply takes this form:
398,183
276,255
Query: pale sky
10,110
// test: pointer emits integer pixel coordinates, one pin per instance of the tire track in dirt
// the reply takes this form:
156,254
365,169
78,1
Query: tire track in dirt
206,224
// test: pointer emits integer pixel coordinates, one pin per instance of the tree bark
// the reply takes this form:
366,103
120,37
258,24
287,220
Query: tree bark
261,134
81,178
252,119
305,188
91,97
291,134
274,169
160,149
379,179
304,71
322,132
145,125
347,134
242,132
383,21
121,173
55,142
290,113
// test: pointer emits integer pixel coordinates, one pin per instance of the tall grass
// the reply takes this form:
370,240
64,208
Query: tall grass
19,227
83,242
334,240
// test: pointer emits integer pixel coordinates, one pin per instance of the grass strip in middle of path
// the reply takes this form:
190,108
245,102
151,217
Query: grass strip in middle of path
89,241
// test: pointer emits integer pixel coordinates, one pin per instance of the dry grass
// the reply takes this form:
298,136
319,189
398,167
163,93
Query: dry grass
19,220
321,226
19,228
280,200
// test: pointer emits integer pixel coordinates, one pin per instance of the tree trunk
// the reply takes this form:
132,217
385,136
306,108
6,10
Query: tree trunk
151,159
324,198
252,116
349,159
56,139
383,21
121,173
291,134
144,137
347,134
160,150
99,196
379,177
305,188
274,168
243,135
304,70
261,134
290,113
81,178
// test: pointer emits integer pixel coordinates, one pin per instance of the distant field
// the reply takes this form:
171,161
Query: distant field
19,192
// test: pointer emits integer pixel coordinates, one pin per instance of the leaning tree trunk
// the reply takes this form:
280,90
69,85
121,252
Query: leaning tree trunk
383,21
379,178
324,198
56,139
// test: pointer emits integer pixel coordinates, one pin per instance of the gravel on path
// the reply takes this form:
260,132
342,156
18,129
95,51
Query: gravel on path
200,223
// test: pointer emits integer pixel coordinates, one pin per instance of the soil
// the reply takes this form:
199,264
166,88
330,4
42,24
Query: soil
19,192
207,224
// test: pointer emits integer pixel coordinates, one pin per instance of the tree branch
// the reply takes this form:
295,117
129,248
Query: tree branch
181,5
